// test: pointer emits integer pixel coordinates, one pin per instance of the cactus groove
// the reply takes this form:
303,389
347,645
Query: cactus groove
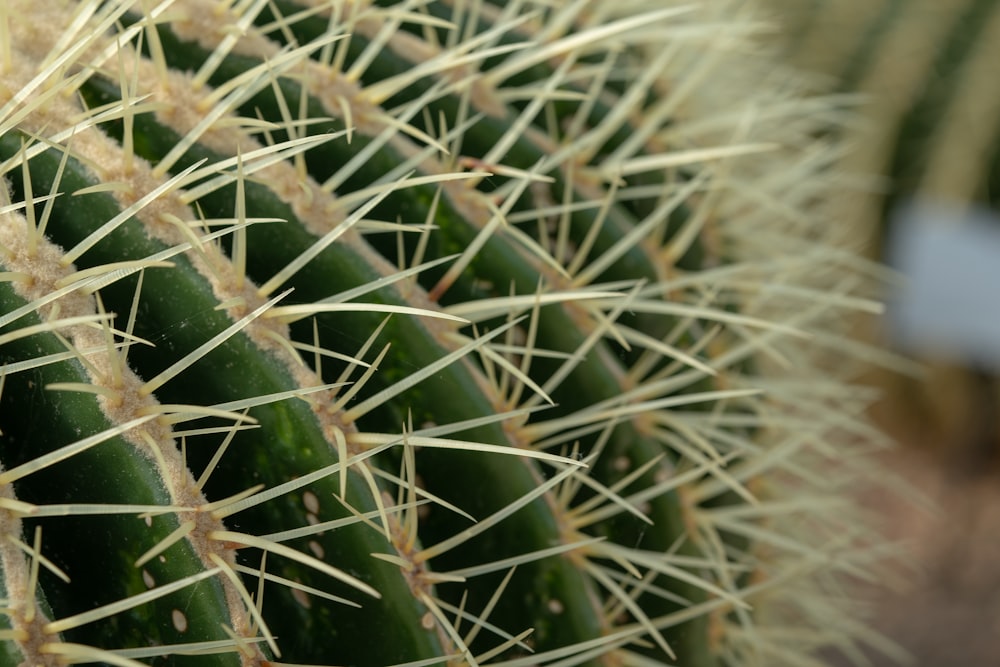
422,333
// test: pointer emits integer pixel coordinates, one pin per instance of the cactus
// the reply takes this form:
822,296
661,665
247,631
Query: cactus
930,106
422,333
930,98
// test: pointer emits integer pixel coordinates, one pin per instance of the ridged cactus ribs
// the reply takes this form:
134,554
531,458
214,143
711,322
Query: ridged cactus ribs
418,333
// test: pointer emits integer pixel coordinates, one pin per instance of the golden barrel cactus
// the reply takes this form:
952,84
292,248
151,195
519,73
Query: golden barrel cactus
419,333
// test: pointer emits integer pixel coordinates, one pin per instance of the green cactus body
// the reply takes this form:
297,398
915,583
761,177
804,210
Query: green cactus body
426,333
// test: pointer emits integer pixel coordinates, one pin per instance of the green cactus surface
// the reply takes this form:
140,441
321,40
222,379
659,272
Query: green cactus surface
432,332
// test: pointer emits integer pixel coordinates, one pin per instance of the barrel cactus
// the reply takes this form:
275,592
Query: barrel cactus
420,333
928,96
924,74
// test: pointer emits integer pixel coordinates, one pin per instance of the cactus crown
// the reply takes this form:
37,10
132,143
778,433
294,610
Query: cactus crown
415,333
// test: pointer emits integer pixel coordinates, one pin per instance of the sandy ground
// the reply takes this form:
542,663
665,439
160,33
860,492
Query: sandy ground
950,614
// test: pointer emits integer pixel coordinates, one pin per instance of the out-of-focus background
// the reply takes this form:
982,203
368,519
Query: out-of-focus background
928,76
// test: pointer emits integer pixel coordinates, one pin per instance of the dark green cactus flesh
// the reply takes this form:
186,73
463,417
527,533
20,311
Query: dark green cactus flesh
420,333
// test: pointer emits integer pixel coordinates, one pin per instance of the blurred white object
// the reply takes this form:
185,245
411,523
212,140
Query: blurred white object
949,303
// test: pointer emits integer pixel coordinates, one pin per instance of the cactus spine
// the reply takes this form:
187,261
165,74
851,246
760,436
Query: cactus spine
420,333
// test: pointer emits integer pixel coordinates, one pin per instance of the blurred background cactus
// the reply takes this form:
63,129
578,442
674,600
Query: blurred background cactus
923,75
926,79
418,333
